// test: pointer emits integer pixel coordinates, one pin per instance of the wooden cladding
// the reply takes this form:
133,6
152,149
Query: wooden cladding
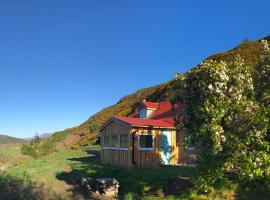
116,152
147,158
115,157
126,152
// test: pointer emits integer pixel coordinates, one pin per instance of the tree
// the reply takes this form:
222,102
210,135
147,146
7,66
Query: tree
225,120
263,75
35,141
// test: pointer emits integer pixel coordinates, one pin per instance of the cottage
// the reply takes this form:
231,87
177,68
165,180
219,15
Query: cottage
151,139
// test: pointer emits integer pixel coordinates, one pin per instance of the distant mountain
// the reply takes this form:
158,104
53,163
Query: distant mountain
41,136
128,105
4,139
45,135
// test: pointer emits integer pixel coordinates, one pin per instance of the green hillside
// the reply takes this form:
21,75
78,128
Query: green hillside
249,50
4,139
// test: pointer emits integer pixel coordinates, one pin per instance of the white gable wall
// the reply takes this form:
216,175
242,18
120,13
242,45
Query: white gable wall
146,113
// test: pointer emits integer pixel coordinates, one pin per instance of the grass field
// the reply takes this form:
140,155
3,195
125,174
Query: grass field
64,169
13,155
58,175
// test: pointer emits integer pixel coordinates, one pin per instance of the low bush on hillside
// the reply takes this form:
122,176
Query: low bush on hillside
47,147
29,150
44,148
59,136
38,147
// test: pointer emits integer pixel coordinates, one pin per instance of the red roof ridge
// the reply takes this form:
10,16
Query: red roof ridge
145,122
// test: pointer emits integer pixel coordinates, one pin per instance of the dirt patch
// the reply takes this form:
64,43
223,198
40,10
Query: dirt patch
178,185
69,141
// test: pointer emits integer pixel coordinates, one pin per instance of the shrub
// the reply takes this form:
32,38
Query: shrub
227,115
59,136
46,147
29,150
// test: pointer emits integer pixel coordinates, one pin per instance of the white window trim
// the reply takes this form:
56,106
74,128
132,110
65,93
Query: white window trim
115,148
146,148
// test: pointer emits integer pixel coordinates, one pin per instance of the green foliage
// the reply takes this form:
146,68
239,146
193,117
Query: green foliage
59,136
39,147
23,188
93,128
227,119
263,75
46,147
29,150
63,169
35,141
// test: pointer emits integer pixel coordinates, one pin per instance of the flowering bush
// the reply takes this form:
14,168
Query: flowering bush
227,116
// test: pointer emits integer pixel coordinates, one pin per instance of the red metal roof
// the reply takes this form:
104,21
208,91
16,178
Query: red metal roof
152,105
163,116
166,112
145,122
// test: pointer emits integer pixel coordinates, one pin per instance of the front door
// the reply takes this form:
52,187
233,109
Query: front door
166,147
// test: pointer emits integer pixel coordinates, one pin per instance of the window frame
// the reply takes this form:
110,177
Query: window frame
104,140
143,113
119,140
110,147
146,148
114,138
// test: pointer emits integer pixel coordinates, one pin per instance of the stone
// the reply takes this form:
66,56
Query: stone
101,188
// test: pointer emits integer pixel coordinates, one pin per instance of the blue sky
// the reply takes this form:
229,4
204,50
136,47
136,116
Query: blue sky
62,61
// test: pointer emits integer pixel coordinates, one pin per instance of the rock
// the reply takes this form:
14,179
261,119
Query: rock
86,181
102,188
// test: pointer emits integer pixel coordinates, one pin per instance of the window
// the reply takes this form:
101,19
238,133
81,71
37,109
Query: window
123,140
114,140
146,142
143,113
107,140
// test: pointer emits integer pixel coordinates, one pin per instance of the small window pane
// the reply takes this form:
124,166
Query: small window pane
143,113
114,140
146,141
107,141
123,140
